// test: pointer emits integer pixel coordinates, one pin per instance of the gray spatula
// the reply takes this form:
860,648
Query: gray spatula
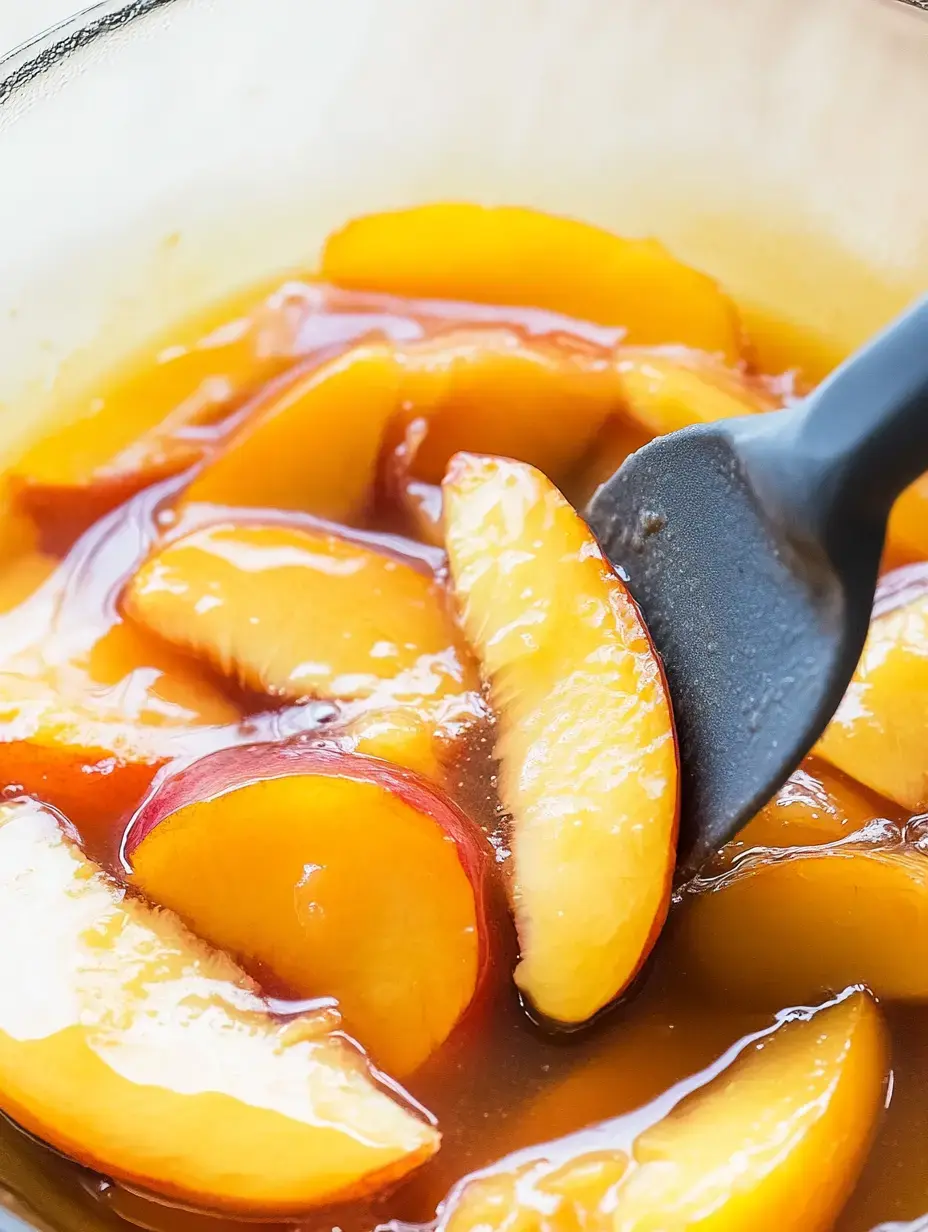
752,547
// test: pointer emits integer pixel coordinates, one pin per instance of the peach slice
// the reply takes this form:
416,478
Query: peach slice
817,804
312,445
89,734
735,1154
785,927
877,734
113,444
907,533
342,875
298,612
129,1045
587,750
510,255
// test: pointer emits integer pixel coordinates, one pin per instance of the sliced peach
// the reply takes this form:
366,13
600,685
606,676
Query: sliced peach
510,255
907,533
21,576
129,1045
877,734
817,804
296,612
342,875
89,734
587,751
618,438
136,432
312,445
670,388
783,928
737,1154
775,1142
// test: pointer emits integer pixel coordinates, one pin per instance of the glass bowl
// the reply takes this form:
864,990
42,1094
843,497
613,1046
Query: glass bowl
156,154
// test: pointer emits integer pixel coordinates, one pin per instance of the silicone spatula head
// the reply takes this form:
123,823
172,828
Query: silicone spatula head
752,547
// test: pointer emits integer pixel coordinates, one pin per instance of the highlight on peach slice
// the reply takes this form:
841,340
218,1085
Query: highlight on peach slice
312,445
786,927
112,444
88,734
342,875
131,1046
735,1153
512,255
298,612
586,742
877,734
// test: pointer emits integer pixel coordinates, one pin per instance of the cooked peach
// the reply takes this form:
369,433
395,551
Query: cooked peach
669,388
817,804
775,1141
736,1154
586,744
510,255
784,927
907,533
129,1045
313,444
619,437
877,734
109,447
88,734
21,576
299,612
342,875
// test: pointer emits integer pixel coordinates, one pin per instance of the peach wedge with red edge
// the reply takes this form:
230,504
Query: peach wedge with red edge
878,732
130,1045
511,255
586,743
340,874
773,1141
786,926
298,612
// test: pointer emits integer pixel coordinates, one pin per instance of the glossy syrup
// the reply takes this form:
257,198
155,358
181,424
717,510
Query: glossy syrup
510,1086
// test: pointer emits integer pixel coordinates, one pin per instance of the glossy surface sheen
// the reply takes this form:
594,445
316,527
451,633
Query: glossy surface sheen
134,1048
298,614
878,733
337,874
587,755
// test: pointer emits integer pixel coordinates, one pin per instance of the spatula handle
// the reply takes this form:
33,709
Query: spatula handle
864,432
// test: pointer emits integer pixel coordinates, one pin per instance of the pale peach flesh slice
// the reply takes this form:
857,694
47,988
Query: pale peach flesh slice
785,927
131,1046
297,612
878,733
339,874
586,744
738,1153
511,255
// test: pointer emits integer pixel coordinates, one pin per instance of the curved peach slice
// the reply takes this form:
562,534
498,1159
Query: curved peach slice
313,445
344,876
510,255
668,389
109,447
588,759
776,1141
817,804
297,613
907,533
798,1102
877,734
129,1045
783,928
89,734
